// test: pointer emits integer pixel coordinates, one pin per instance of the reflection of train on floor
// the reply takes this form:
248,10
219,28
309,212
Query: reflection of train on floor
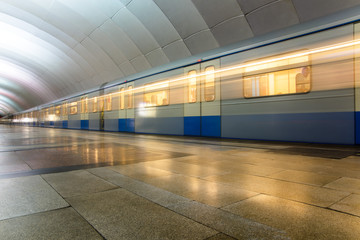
300,89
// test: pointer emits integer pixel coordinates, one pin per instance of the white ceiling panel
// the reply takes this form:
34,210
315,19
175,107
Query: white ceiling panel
215,11
251,5
232,31
183,15
140,63
127,68
157,57
271,17
154,20
121,39
135,30
102,39
176,50
201,42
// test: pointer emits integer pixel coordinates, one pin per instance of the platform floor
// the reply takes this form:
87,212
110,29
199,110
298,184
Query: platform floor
69,184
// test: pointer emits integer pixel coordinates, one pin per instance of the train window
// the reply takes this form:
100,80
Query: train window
57,110
156,94
122,98
94,104
84,105
192,92
73,108
108,102
130,95
64,109
210,84
277,77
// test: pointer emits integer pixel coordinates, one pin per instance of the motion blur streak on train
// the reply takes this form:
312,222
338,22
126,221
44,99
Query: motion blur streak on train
303,89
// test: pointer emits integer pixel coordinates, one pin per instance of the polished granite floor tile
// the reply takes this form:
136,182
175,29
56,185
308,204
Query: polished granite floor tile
140,171
228,223
210,193
69,184
27,195
58,224
304,177
346,184
10,162
300,221
186,168
350,204
222,221
220,236
319,196
119,214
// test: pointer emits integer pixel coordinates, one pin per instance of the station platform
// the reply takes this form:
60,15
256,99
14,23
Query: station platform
71,184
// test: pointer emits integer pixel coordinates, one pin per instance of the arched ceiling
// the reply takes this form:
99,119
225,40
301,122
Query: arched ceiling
53,48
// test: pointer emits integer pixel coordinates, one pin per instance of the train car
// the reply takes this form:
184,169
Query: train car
302,89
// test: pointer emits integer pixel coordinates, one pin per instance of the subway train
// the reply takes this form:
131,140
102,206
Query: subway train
300,89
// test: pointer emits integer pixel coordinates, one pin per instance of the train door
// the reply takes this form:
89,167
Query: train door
202,100
127,111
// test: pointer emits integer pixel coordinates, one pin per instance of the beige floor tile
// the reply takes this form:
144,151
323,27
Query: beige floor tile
210,193
27,195
119,214
346,184
304,177
319,196
300,221
350,204
57,224
74,183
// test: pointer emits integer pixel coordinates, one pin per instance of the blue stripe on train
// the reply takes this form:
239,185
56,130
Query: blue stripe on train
84,125
126,125
211,126
192,126
357,127
207,126
336,127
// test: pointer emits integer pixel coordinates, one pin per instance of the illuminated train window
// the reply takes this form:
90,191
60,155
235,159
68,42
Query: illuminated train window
84,105
277,76
156,94
57,110
192,92
108,102
94,104
130,95
122,98
210,84
73,108
64,109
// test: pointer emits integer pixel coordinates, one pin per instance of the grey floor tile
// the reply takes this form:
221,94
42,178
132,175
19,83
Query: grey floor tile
210,193
304,177
350,204
157,195
300,221
27,195
139,171
319,196
346,184
228,223
185,168
77,183
119,214
220,236
57,224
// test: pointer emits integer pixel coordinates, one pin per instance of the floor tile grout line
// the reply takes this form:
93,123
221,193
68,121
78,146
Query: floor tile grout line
72,207
35,213
309,204
190,200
